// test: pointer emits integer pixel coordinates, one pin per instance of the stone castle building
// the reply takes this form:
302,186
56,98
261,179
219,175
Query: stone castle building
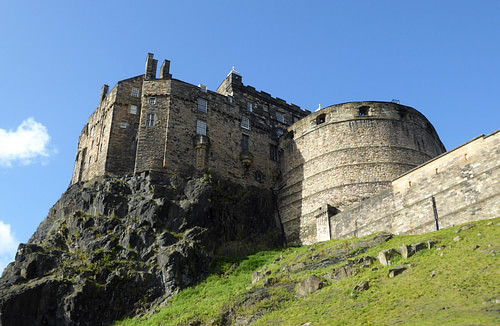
320,164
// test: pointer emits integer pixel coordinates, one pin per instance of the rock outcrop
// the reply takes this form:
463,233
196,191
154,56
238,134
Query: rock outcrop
111,247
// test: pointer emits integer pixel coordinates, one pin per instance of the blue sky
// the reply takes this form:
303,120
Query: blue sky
440,57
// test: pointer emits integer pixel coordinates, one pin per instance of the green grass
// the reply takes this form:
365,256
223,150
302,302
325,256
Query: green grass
460,293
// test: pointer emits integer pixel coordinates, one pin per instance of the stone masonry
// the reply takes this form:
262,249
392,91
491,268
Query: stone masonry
332,170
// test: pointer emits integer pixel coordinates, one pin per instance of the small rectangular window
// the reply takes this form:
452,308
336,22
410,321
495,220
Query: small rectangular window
203,88
230,99
279,132
152,100
274,153
201,127
123,124
245,123
202,105
249,107
150,119
135,92
133,109
280,117
244,142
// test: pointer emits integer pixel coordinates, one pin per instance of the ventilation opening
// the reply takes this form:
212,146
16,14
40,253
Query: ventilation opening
320,118
363,111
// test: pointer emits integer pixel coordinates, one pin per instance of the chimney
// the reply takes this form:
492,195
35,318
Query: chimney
165,70
150,67
104,92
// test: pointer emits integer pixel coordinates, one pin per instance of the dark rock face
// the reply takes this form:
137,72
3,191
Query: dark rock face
109,247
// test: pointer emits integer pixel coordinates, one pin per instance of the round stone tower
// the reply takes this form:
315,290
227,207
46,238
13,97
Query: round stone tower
345,153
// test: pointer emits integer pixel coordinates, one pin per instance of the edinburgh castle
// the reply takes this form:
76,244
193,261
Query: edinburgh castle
346,170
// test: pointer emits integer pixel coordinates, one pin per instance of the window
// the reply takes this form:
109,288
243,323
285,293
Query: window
135,92
201,127
249,107
259,176
203,88
103,131
363,111
320,119
279,132
244,142
152,100
273,153
150,120
202,105
245,123
230,99
280,117
123,124
133,109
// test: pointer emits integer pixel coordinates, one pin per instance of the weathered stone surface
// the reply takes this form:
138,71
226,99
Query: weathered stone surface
385,256
465,227
406,251
408,206
109,247
341,272
396,270
309,285
362,286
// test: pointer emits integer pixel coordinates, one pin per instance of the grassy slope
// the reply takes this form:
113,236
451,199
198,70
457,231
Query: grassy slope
462,292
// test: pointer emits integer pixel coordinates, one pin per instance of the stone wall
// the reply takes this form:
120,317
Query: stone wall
459,186
346,153
171,145
107,143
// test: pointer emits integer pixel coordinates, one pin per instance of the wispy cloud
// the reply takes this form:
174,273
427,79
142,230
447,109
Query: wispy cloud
8,245
30,141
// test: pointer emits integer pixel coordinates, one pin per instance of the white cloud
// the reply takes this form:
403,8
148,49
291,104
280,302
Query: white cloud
24,145
8,245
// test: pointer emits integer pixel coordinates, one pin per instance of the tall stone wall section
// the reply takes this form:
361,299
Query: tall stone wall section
107,142
459,186
170,145
346,153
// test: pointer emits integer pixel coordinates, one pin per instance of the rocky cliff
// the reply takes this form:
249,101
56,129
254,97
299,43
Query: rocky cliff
111,247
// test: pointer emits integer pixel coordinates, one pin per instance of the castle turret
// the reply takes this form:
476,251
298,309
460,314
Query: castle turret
232,79
345,153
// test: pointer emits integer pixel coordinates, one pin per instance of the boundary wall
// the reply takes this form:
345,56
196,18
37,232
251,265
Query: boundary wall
459,186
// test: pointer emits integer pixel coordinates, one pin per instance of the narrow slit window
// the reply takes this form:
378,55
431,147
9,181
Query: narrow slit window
150,119
244,142
273,153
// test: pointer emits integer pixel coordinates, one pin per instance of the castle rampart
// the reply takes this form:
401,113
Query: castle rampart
459,186
335,171
345,153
